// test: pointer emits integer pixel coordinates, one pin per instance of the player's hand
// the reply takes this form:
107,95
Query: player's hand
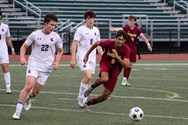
85,59
111,29
55,66
73,64
23,61
115,54
13,53
149,47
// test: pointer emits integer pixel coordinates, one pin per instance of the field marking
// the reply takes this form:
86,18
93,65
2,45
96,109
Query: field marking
105,113
136,64
114,96
174,95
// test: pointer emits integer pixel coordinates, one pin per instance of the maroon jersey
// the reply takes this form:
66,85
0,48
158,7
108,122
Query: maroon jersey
108,45
133,37
111,65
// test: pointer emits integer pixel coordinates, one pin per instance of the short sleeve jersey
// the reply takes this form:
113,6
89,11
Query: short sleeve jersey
86,38
133,36
43,49
4,33
108,45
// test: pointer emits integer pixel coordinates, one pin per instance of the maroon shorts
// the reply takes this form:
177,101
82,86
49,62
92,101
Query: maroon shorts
114,72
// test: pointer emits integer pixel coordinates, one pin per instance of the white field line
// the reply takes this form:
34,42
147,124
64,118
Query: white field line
106,113
137,64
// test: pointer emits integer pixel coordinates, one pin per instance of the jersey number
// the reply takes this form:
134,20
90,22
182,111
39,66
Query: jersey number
91,41
44,47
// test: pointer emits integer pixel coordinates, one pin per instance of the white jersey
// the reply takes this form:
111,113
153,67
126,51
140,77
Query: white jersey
4,33
86,38
43,50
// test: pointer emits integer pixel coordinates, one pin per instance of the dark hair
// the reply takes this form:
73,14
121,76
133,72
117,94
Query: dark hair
89,13
132,17
0,13
50,17
121,33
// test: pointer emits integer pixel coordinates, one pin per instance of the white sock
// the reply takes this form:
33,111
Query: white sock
7,79
82,89
124,78
19,107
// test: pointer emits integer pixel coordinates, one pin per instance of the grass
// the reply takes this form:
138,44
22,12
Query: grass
158,87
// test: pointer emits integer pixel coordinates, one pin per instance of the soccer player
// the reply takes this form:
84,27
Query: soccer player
84,37
116,56
41,62
4,58
133,32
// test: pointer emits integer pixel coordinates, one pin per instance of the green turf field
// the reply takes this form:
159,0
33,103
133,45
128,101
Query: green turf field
160,88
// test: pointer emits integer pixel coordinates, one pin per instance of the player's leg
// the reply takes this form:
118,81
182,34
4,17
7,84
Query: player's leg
4,61
7,77
88,70
127,71
100,98
83,87
40,82
30,81
104,77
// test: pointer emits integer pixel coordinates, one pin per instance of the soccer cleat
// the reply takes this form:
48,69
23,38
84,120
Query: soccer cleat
125,83
27,104
88,92
80,102
16,116
87,108
8,91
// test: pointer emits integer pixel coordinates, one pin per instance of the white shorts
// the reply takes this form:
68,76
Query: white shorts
4,58
41,77
90,65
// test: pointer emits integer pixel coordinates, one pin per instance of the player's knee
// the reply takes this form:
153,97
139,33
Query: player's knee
87,79
27,88
105,97
104,79
35,93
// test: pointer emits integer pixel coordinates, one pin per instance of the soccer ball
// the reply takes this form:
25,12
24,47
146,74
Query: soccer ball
136,114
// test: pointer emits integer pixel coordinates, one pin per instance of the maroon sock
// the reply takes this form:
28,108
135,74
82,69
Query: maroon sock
127,72
92,101
96,83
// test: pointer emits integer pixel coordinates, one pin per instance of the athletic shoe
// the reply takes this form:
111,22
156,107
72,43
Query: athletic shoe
8,91
88,92
87,108
27,104
16,116
125,83
80,102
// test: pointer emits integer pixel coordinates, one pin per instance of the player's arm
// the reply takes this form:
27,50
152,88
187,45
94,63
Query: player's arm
124,62
146,41
113,29
58,58
10,45
22,54
73,54
90,50
100,51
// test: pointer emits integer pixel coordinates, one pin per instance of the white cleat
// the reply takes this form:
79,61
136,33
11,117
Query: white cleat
8,91
87,108
16,116
27,104
88,92
125,83
80,102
